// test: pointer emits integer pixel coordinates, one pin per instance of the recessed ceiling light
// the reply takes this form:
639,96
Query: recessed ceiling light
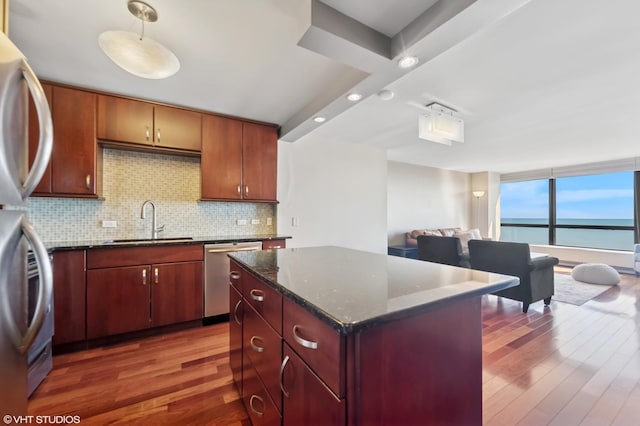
408,62
354,97
319,119
386,95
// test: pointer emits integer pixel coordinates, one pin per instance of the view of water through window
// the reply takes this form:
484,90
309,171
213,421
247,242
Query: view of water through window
594,211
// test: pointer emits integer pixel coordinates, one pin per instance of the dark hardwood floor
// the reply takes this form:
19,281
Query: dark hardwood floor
557,365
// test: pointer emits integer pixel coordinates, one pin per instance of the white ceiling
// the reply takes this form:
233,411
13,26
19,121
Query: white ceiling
539,83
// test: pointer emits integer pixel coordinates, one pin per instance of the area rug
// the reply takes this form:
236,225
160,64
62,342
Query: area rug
575,292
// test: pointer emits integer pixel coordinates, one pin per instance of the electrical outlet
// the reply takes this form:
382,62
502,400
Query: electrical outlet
255,221
269,221
241,221
109,224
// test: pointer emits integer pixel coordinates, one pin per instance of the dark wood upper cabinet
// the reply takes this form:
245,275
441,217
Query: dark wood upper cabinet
177,128
259,160
125,120
129,121
239,160
221,163
74,166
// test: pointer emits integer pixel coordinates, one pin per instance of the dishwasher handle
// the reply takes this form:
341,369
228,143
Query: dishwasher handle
231,249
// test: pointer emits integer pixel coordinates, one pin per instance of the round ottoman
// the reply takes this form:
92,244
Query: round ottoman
595,273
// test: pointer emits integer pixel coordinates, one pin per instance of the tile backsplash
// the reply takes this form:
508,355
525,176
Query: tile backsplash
129,178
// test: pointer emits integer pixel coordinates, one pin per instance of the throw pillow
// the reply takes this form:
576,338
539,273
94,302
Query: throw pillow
464,237
449,232
475,232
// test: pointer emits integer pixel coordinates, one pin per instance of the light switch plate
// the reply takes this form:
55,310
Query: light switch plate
241,222
255,221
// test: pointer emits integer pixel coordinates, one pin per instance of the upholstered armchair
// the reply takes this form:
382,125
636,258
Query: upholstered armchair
445,250
536,275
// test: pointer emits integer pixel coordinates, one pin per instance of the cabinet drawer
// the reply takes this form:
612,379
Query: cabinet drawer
318,345
264,348
266,301
256,400
273,244
131,256
307,400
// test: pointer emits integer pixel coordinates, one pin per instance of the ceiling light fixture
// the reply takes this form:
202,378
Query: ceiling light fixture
354,97
407,62
319,119
137,54
386,95
440,125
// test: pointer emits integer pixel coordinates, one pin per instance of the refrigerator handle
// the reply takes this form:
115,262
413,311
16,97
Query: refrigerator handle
45,287
45,143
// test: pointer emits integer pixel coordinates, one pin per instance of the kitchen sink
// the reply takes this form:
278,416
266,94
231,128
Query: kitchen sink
149,240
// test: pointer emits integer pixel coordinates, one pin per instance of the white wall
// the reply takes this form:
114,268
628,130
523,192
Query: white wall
425,197
337,193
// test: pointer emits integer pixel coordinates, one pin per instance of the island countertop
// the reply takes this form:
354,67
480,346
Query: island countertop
352,290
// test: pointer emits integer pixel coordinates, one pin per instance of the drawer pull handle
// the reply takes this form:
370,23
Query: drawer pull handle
234,275
235,312
155,275
158,133
303,342
147,134
256,412
87,182
255,347
282,367
257,295
144,277
239,192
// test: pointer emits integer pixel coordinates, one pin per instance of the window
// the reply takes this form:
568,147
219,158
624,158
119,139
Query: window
594,211
524,207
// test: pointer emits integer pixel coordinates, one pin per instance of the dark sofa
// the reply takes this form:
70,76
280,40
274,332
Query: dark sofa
536,275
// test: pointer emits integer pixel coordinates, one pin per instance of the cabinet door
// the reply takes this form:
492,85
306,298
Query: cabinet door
74,158
44,187
221,163
236,309
264,348
306,399
69,296
260,162
125,120
177,128
117,300
176,294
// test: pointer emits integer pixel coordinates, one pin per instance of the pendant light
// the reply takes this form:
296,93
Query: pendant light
137,54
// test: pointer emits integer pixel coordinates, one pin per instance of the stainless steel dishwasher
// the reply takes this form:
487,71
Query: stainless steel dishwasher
216,276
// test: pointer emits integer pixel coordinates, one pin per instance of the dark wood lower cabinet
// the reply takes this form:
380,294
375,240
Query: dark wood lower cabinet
117,300
307,400
236,309
257,401
69,296
176,293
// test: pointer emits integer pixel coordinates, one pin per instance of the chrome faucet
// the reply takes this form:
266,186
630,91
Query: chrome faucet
154,229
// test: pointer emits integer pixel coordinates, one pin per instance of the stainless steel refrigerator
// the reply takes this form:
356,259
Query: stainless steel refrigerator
17,329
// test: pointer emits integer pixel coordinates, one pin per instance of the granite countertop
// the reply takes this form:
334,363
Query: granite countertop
351,290
179,240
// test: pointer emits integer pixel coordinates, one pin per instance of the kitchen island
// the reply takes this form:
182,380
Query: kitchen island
328,335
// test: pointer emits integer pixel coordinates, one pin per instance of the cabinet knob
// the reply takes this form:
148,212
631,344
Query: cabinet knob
303,342
87,181
285,361
251,405
257,295
144,277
